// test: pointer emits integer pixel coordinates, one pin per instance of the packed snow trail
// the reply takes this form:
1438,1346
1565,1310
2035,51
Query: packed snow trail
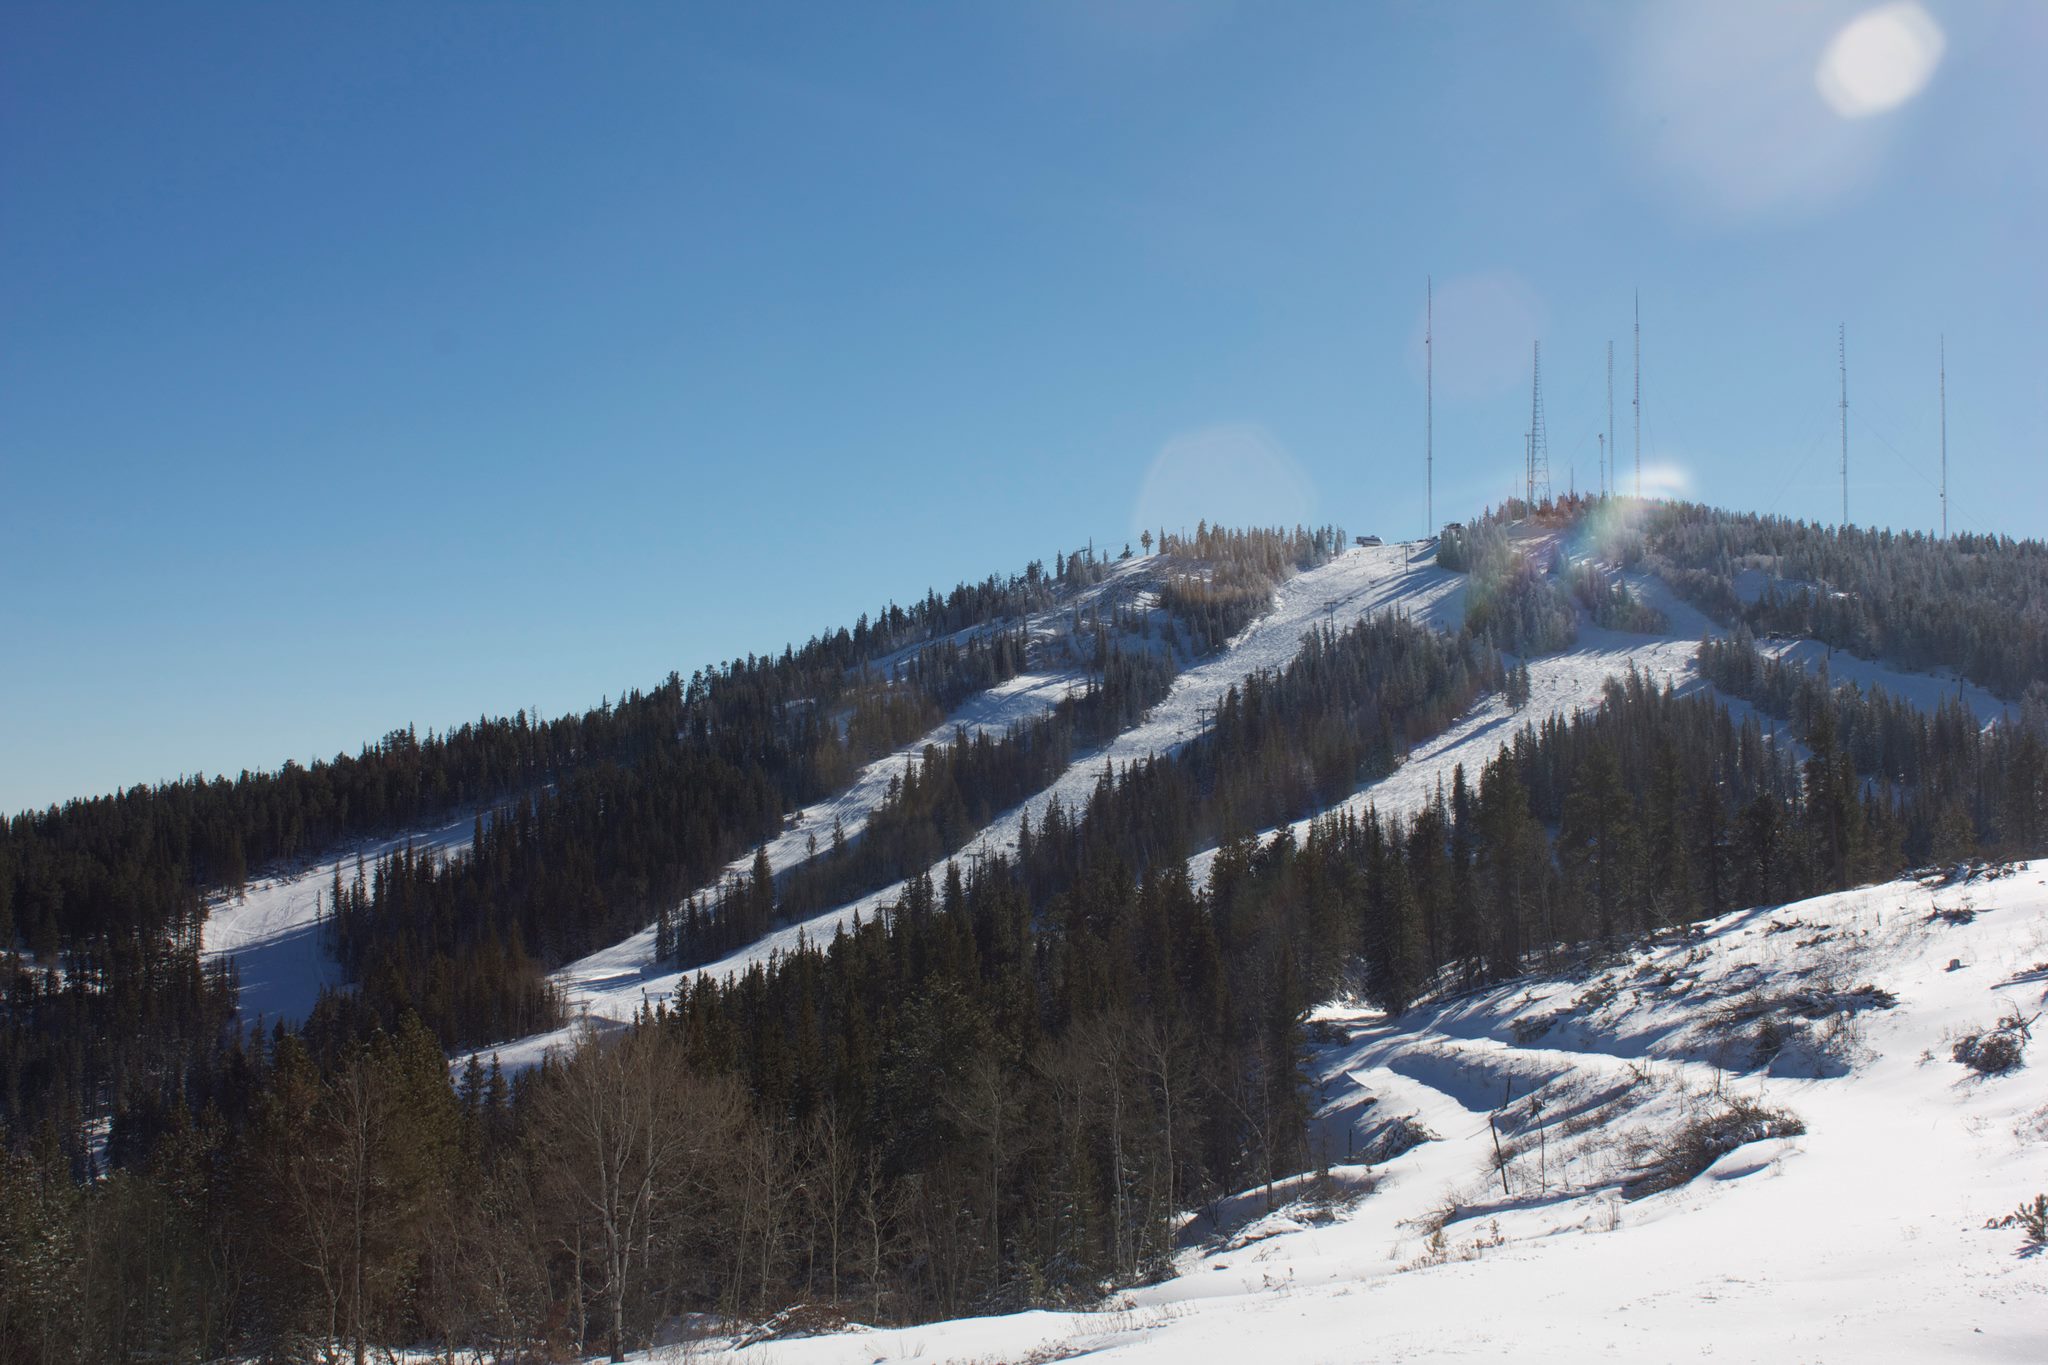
1923,691
1559,685
272,929
615,984
1863,1239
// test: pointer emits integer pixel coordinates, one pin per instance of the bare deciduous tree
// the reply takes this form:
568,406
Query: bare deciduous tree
623,1131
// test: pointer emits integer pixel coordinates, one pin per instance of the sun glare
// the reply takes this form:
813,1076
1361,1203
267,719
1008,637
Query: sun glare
1881,59
1237,474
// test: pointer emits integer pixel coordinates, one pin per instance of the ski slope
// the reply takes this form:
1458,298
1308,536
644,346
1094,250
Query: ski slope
1559,684
1924,691
272,930
1863,1238
615,984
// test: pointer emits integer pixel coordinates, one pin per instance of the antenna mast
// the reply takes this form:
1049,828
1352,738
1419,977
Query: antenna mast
1842,359
1429,407
1539,445
1944,438
1608,447
1639,393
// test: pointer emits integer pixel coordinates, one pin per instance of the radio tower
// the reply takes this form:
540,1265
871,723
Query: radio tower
1639,393
1539,444
1944,438
1842,359
1608,446
1428,407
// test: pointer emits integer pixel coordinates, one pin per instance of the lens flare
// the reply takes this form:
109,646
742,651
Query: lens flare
1880,60
1232,475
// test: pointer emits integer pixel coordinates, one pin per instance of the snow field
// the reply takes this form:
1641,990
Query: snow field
1862,1239
272,929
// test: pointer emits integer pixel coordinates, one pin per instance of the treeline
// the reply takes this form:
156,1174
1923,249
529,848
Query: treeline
213,832
1283,744
1524,603
1609,602
814,1122
1233,575
949,794
606,816
1512,602
466,941
106,897
103,898
1006,1090
938,803
1971,783
1974,603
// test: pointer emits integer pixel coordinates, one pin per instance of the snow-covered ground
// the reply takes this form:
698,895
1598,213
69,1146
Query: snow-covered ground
810,829
1925,691
1559,684
1863,1238
272,929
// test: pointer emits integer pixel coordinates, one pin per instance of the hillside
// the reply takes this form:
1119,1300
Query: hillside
1834,1181
616,983
268,928
1045,947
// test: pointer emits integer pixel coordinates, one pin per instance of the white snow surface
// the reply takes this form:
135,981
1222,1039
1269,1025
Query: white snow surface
1868,1238
272,929
1559,684
995,710
1924,691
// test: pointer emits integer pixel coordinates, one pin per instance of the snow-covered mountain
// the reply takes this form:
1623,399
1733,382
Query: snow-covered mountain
271,929
1768,1136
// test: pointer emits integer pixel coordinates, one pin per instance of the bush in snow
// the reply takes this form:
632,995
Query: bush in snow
1998,1050
1701,1141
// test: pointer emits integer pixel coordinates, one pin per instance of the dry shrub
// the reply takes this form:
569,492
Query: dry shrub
1996,1050
1699,1142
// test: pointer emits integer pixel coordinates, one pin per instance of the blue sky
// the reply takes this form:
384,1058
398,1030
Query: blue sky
373,364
